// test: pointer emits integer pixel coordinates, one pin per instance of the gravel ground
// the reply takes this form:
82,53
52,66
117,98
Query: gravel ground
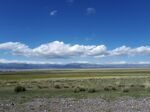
123,104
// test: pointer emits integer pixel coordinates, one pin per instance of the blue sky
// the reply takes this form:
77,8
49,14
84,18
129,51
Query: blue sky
99,27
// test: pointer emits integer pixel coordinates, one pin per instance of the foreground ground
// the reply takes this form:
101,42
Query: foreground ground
124,104
125,90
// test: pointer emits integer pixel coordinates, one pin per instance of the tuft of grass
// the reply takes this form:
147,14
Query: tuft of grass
19,89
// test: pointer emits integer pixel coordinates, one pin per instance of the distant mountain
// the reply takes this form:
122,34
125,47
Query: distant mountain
19,66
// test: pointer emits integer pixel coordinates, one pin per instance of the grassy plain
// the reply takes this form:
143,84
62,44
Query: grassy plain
75,83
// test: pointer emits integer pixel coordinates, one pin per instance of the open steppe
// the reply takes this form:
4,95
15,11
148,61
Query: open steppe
105,90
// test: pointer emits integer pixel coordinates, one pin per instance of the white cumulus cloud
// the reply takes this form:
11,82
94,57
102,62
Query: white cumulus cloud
54,49
60,49
124,50
57,49
16,48
120,51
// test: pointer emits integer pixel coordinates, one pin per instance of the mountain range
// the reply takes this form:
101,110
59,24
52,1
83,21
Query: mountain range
19,66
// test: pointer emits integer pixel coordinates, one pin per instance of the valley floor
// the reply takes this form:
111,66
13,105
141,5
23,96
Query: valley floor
75,91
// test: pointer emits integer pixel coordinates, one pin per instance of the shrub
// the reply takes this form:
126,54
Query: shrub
76,90
42,87
125,90
57,86
72,86
82,89
33,82
29,86
79,89
132,85
66,86
19,89
114,88
142,86
92,90
12,82
106,89
121,85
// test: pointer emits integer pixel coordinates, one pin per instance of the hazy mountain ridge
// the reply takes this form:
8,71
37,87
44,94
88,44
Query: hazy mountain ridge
69,66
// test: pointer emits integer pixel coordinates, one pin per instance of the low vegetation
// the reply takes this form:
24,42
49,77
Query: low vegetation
19,89
91,90
79,89
75,83
125,90
57,86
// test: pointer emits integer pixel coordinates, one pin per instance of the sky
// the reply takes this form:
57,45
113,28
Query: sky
75,31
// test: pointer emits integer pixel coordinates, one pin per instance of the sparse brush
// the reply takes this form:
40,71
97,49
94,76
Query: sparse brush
106,89
79,89
42,87
114,88
92,90
132,85
33,82
126,90
19,89
76,90
66,86
57,86
12,82
121,85
82,89
142,86
72,86
29,86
